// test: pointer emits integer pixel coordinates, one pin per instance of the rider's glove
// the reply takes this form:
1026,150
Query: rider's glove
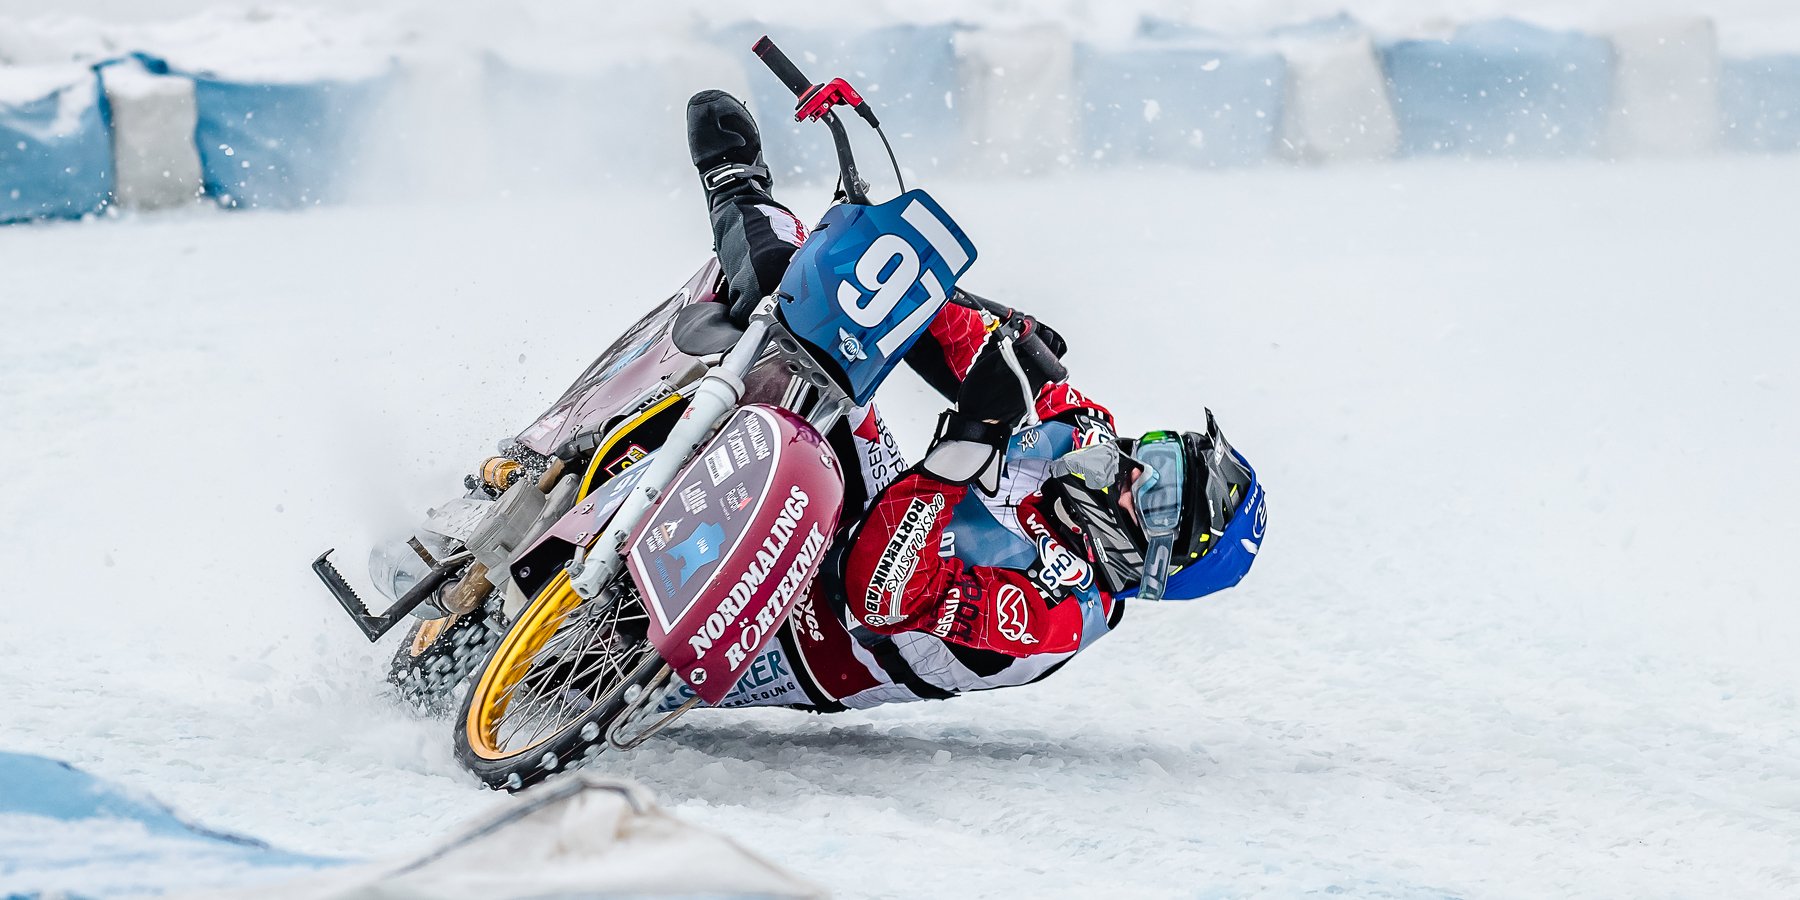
1051,339
998,395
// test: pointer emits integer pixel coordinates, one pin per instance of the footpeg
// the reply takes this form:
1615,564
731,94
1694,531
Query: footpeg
371,625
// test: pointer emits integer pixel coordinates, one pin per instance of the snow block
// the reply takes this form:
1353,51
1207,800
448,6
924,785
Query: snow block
269,144
1337,107
580,835
907,73
1016,91
1760,102
65,832
1502,88
154,118
1665,89
1187,104
56,153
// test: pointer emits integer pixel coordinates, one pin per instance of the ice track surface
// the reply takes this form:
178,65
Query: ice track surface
1524,625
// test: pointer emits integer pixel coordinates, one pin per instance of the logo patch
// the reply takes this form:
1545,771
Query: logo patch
695,552
1062,568
1013,615
658,537
887,585
850,346
625,460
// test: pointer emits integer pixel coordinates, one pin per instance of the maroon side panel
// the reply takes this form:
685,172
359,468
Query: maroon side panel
723,559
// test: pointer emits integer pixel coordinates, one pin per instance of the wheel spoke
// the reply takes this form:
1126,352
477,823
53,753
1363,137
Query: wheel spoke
588,656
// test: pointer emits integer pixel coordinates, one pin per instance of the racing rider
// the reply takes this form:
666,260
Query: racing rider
1015,542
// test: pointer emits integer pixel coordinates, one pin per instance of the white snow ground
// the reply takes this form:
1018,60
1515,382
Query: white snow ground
1524,626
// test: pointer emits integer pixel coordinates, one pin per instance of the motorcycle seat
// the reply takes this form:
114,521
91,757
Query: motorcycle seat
703,329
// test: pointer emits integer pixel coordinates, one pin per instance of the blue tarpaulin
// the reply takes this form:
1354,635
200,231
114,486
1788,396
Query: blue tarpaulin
1501,88
1759,100
65,833
1194,105
56,154
281,144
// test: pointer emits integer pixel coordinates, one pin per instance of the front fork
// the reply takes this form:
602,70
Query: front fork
714,398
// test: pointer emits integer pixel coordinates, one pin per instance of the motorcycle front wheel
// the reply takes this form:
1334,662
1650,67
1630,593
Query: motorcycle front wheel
551,691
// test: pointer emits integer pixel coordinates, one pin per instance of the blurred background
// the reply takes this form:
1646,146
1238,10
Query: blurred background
288,105
1497,296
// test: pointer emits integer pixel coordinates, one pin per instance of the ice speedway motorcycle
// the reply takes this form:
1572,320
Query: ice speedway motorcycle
626,557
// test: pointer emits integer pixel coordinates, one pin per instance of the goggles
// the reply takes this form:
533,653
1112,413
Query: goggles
1157,496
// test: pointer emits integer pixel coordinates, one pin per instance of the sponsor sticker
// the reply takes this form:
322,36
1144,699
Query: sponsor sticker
769,681
658,537
625,460
754,629
736,500
759,440
718,465
693,498
690,555
1062,568
740,454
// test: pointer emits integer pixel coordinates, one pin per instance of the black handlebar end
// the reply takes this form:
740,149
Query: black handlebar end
783,67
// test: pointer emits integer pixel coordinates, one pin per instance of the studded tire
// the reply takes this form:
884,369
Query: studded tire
436,656
577,731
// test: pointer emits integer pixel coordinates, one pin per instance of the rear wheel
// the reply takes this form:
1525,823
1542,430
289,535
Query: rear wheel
439,654
552,689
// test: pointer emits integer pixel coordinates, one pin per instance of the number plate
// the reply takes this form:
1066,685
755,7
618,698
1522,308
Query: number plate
870,279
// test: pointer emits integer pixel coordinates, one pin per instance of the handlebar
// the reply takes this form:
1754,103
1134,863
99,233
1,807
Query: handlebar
1032,350
856,190
783,67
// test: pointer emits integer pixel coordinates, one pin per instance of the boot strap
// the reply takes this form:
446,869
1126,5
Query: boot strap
715,178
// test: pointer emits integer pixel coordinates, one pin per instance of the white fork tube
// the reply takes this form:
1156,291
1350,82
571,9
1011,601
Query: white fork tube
715,397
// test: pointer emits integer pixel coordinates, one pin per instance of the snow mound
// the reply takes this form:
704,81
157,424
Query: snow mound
64,832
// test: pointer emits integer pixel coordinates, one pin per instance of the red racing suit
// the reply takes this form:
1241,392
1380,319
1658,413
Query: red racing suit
904,611
902,615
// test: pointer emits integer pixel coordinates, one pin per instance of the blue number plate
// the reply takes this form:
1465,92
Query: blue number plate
870,279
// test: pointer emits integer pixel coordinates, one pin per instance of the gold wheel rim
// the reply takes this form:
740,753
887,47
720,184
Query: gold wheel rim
512,660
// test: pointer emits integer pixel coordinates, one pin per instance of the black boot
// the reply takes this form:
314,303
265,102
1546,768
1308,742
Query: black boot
727,150
724,144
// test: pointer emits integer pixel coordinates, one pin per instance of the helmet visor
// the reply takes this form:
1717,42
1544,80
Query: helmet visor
1157,498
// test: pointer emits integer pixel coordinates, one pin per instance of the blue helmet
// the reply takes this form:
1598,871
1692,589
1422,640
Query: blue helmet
1170,516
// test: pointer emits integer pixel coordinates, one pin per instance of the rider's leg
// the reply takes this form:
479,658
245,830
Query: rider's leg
752,233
